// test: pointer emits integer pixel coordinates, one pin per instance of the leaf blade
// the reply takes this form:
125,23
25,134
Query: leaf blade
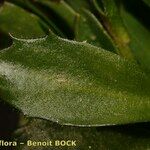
21,27
140,37
59,79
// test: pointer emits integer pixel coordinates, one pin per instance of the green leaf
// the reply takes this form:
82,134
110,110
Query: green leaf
105,138
89,29
147,2
60,12
78,4
85,25
31,7
98,6
73,83
140,39
112,22
20,23
62,9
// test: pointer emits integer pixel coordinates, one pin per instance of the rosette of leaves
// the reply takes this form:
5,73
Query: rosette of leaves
71,67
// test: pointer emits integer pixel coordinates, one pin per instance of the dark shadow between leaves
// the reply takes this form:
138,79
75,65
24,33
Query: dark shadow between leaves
9,118
140,10
5,40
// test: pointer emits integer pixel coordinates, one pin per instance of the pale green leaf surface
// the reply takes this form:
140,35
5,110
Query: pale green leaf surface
20,23
73,83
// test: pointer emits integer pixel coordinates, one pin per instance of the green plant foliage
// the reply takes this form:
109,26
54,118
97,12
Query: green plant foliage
110,15
78,5
57,69
147,2
90,30
25,25
84,26
73,83
62,10
31,7
140,38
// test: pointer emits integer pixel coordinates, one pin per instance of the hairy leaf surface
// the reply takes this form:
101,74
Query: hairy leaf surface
73,83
